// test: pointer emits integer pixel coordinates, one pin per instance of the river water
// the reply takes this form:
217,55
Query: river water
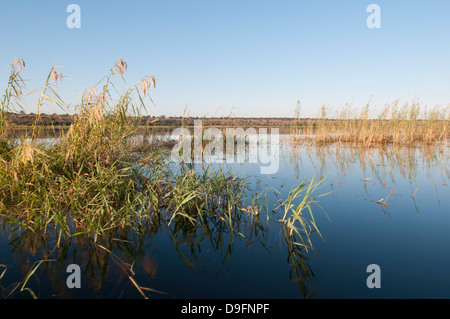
385,206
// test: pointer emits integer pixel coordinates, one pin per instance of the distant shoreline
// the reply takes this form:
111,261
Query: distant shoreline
24,120
63,121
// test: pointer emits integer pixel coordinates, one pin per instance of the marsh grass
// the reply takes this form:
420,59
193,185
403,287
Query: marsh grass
98,183
296,213
97,179
94,179
399,125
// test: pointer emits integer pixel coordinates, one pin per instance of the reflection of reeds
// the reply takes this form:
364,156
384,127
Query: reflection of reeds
23,284
390,160
128,271
301,271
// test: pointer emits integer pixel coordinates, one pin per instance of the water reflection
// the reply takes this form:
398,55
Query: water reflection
122,267
377,161
301,271
127,266
380,166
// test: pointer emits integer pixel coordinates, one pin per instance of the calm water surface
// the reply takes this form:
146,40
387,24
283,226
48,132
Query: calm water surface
409,239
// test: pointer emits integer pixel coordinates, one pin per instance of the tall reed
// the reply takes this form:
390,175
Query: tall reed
408,124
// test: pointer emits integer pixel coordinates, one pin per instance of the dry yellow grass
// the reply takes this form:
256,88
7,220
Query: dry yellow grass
409,124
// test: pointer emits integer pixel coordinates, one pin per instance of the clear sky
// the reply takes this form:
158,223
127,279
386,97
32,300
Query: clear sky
251,58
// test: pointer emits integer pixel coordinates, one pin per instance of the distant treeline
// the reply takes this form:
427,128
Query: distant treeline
23,119
65,120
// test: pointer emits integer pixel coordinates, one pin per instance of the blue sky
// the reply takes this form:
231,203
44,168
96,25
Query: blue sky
251,58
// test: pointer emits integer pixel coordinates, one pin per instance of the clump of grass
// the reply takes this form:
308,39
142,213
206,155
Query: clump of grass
409,124
97,179
296,213
215,192
83,183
